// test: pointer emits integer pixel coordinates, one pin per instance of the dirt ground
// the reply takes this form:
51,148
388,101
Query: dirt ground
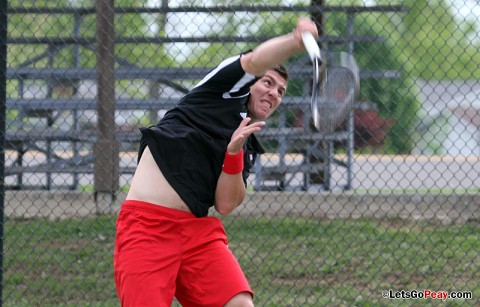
444,209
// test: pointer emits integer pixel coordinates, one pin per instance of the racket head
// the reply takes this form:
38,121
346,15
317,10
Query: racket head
334,92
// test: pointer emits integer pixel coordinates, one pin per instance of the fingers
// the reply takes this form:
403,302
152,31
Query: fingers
305,24
243,131
245,122
246,129
245,126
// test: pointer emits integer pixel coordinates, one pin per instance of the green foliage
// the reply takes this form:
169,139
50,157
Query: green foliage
37,3
436,44
62,26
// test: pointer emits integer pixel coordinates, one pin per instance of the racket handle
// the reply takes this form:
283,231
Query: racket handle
311,46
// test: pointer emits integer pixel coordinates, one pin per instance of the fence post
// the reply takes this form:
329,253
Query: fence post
106,148
3,101
318,177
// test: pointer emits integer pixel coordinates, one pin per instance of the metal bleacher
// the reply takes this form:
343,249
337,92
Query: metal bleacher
316,151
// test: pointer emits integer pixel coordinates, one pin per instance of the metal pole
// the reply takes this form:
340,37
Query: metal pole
76,63
351,116
3,100
106,147
318,178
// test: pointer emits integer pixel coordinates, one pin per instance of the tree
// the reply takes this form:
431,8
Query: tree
436,44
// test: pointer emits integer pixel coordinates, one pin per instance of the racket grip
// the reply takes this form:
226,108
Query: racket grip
311,46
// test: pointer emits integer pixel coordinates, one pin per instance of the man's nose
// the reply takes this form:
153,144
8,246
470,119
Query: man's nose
273,92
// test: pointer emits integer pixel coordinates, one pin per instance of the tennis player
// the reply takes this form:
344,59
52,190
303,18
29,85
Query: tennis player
199,155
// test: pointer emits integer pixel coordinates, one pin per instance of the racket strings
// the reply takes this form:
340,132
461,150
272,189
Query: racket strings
335,96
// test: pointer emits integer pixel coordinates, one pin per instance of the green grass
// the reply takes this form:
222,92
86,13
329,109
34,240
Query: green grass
289,262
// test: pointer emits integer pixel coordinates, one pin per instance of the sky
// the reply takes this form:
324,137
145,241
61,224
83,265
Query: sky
468,10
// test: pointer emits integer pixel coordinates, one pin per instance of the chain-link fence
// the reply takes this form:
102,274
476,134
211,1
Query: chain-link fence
382,211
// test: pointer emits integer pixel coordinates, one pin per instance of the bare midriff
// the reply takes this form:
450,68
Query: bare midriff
149,185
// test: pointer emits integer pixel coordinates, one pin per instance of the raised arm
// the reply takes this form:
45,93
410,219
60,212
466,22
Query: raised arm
276,50
230,191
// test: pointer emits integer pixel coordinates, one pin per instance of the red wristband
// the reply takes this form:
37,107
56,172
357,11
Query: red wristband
233,164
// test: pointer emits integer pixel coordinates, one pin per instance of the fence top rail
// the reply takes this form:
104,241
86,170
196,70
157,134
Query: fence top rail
190,73
211,9
158,73
59,41
49,104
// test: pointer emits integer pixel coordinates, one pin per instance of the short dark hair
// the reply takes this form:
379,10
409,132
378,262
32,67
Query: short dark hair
282,71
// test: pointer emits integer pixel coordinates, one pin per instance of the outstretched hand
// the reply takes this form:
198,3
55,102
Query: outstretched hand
243,131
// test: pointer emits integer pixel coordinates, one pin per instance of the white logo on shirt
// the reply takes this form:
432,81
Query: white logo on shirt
227,95
243,114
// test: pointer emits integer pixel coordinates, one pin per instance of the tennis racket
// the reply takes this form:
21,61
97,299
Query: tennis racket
334,86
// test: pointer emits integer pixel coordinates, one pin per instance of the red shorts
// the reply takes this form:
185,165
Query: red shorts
161,253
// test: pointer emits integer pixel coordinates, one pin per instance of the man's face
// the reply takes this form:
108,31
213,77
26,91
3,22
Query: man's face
266,95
